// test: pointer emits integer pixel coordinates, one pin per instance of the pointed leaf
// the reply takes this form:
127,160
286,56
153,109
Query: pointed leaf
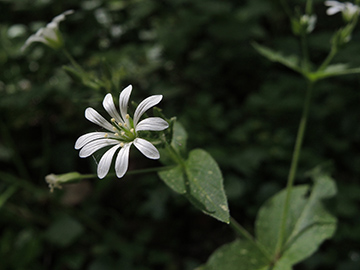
333,70
179,137
205,185
174,178
237,255
291,61
309,223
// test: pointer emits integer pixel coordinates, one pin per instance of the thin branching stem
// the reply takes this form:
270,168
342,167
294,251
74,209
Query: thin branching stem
293,166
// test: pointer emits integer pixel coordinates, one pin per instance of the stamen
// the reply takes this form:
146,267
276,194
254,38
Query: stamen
121,144
132,130
114,128
122,133
127,116
116,134
113,120
106,135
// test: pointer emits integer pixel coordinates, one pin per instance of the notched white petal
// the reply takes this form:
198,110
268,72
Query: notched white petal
109,106
145,105
93,146
105,162
124,101
122,160
146,148
96,118
152,124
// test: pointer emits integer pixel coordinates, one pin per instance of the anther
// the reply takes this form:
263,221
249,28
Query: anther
127,116
132,130
113,120
116,134
106,135
121,144
122,133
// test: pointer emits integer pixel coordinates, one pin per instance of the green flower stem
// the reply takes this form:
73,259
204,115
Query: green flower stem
305,52
308,8
73,61
286,8
293,167
328,59
176,157
149,170
156,169
240,230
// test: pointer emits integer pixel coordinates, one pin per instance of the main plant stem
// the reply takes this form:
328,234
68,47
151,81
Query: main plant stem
293,167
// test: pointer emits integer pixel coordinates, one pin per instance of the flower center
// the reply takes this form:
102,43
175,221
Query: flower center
124,132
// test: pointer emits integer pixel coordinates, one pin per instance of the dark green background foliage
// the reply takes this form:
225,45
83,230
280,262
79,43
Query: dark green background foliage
235,104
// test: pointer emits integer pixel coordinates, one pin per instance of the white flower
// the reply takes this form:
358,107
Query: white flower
122,133
50,34
348,10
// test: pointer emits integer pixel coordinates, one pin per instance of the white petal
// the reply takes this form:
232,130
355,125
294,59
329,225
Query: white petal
333,10
109,106
93,146
124,100
32,39
105,162
96,118
145,105
122,160
146,148
61,17
86,138
152,123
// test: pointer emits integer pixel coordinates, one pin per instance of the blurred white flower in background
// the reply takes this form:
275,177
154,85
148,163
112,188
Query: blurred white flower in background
50,35
348,10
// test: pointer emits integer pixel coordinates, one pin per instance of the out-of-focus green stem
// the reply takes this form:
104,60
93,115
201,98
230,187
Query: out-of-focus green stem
73,61
286,8
240,230
305,52
308,8
328,59
293,167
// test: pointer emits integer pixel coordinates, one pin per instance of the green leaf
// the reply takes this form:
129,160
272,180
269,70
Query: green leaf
174,178
205,185
309,223
237,255
179,138
333,70
291,61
